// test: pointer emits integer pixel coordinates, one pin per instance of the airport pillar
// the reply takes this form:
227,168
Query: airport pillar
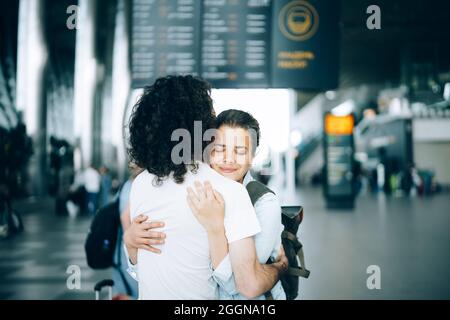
87,72
290,157
121,84
31,62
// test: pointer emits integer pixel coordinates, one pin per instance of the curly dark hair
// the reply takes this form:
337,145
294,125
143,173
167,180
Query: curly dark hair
171,103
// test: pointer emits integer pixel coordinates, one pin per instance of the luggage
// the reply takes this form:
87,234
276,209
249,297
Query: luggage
101,241
108,283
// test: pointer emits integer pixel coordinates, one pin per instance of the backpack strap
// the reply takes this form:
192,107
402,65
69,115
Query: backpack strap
256,190
298,272
301,271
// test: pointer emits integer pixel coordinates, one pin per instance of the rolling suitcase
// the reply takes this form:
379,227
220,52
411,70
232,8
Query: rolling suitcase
109,284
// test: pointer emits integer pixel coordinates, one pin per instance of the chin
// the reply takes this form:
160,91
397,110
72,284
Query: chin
230,176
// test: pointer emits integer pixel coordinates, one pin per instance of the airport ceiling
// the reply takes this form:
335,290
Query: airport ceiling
412,31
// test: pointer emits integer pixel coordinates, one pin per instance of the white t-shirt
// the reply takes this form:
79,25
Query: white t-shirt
92,180
183,270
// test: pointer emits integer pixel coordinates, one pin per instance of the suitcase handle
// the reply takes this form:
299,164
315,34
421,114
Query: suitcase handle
102,284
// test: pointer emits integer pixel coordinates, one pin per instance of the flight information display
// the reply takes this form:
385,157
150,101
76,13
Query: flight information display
237,43
165,39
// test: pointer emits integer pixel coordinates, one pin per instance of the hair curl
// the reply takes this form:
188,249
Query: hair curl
171,103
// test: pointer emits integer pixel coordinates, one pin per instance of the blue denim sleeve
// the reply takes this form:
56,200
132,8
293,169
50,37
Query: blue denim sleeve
132,269
223,275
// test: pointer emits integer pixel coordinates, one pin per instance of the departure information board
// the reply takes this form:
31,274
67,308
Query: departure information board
237,43
165,39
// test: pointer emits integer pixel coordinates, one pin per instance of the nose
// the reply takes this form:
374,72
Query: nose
229,157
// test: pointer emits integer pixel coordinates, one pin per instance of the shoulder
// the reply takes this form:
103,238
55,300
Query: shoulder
235,190
143,177
269,198
139,178
220,183
126,187
139,191
140,182
268,205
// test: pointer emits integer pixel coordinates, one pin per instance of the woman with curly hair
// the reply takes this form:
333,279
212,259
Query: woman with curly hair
183,270
171,104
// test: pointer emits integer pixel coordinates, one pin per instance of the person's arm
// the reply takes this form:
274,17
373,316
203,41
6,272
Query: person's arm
140,235
268,212
252,278
208,207
219,246
131,253
125,217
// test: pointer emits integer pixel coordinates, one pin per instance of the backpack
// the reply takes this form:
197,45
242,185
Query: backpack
291,217
101,240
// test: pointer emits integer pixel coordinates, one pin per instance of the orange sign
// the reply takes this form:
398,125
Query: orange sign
336,125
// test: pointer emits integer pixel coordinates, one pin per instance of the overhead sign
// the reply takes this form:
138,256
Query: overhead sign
237,43
305,44
165,39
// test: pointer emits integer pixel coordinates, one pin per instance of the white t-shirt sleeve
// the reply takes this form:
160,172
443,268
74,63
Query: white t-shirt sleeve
133,199
240,217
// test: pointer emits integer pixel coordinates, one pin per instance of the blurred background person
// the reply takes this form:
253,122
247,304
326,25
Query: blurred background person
105,186
92,185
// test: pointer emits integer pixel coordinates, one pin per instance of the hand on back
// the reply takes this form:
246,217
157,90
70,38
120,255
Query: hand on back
142,234
207,205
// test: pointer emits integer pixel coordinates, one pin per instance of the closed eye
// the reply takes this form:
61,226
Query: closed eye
241,150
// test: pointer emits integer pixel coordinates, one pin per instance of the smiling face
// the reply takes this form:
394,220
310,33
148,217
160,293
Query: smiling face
232,155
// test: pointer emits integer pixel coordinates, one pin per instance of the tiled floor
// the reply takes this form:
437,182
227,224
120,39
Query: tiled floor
409,239
33,265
